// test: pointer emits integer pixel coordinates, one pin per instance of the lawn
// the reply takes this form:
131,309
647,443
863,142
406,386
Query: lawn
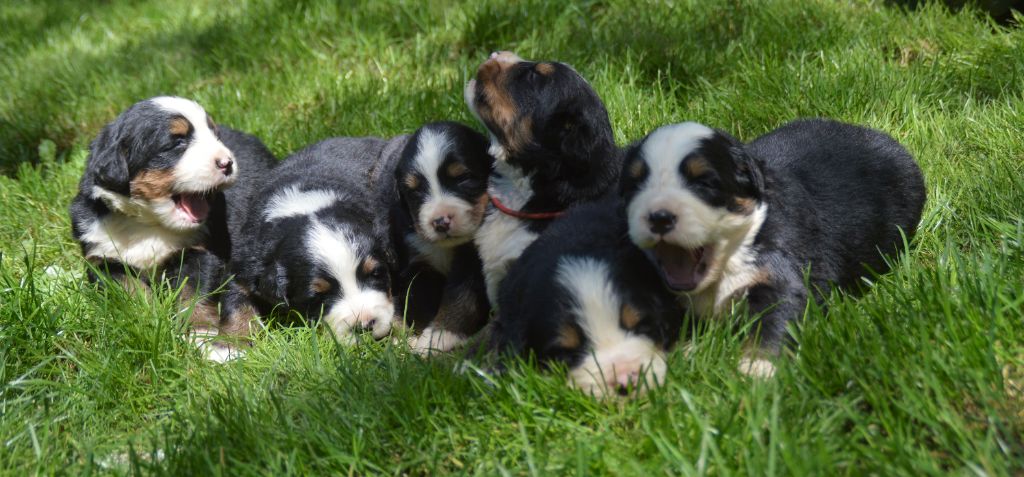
923,375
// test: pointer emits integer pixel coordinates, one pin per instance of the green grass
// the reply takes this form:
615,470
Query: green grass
923,375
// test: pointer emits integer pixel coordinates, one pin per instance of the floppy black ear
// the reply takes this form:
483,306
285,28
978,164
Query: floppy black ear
748,171
108,160
271,282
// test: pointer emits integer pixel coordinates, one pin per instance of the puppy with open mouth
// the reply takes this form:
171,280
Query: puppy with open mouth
722,220
156,196
553,145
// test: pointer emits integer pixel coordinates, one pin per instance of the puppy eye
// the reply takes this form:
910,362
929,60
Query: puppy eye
710,181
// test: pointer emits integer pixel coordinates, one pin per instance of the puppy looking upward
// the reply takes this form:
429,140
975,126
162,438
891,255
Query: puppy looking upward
553,146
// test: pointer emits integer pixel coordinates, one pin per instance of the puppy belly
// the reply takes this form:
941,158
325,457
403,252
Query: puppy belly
501,240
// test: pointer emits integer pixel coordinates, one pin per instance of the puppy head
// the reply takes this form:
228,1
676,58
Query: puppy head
442,180
613,332
535,111
324,261
159,161
692,195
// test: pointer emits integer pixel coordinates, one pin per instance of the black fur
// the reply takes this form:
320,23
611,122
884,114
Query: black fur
533,306
838,198
140,141
448,296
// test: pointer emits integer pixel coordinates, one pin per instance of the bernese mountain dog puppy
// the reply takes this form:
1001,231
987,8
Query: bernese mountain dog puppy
316,238
155,196
553,145
722,220
442,185
584,296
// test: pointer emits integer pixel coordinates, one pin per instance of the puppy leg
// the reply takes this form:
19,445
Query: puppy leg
777,307
464,308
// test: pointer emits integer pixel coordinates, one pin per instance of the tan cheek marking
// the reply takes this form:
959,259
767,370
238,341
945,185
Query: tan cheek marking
152,184
637,168
697,166
545,68
319,285
479,208
368,265
744,205
629,317
179,127
411,181
456,169
569,337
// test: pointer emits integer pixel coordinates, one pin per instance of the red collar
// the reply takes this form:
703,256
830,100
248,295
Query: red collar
525,215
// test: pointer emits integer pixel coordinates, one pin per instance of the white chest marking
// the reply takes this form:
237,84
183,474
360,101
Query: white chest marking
502,238
134,243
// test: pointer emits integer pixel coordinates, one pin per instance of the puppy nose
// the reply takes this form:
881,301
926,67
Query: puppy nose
225,164
662,221
442,224
506,57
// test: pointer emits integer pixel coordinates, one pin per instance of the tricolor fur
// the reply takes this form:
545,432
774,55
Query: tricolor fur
553,144
722,220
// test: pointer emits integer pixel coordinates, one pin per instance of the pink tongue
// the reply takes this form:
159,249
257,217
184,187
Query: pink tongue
682,268
195,206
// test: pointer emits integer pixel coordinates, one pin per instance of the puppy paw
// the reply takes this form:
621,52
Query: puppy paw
757,368
435,341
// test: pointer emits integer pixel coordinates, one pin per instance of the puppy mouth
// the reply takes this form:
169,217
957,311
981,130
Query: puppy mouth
192,205
682,269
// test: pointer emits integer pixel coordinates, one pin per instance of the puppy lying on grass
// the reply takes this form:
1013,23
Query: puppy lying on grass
722,221
159,187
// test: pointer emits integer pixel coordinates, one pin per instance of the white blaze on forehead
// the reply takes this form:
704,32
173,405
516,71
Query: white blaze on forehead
341,257
597,303
433,147
335,251
197,170
666,147
291,202
615,357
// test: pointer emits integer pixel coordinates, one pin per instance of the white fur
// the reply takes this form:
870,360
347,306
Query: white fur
698,224
133,237
435,341
337,253
617,358
433,147
502,238
197,170
291,202
757,368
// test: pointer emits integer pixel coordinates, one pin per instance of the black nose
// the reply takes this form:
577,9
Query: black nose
622,390
442,224
662,221
225,164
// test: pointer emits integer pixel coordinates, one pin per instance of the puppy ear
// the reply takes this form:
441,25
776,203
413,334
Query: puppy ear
108,158
748,171
272,282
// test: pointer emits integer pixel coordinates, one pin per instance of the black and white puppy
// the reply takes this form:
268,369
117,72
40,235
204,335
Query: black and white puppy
442,184
553,146
722,220
584,295
316,237
154,198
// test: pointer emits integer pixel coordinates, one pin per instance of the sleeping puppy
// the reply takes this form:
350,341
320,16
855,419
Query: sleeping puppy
316,238
154,198
553,146
722,220
442,185
583,295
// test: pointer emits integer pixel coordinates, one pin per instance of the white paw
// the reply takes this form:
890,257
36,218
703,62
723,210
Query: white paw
205,341
757,368
435,341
